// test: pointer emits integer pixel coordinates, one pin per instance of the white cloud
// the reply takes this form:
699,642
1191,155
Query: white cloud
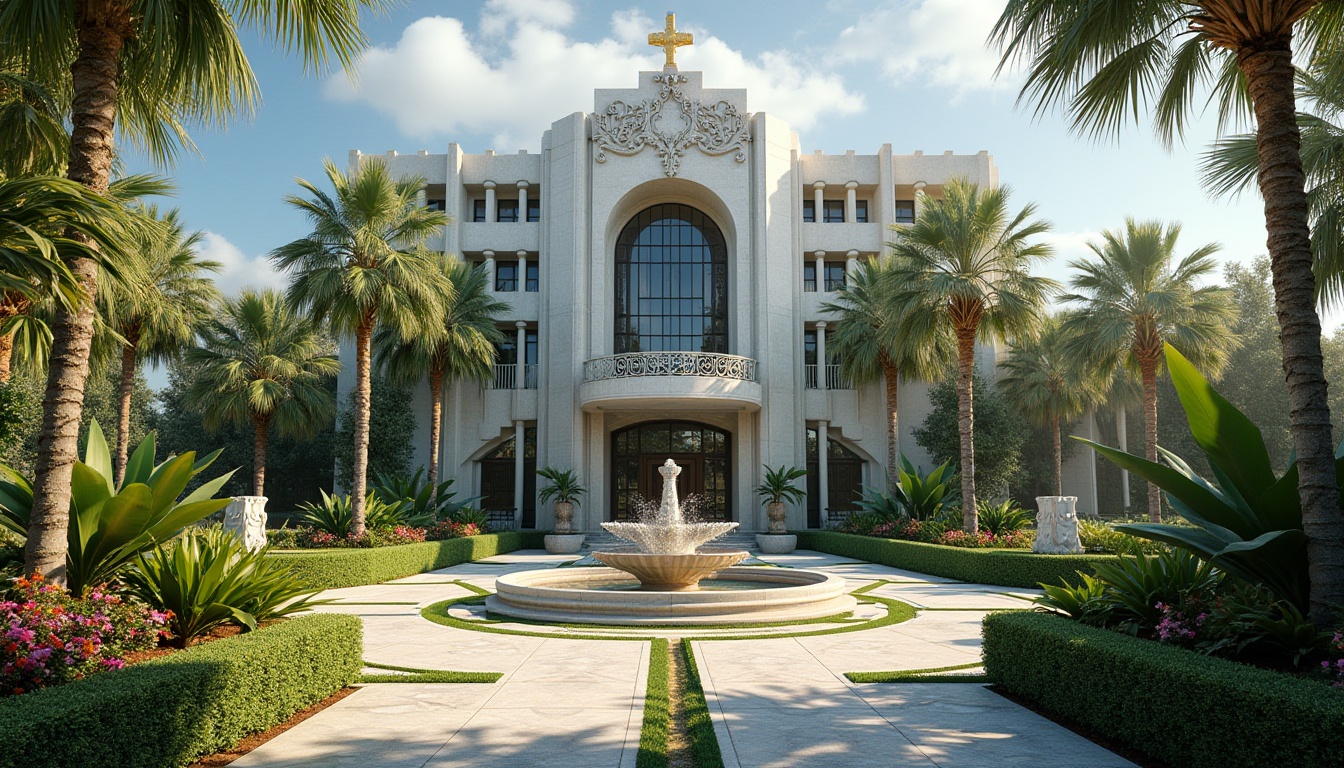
930,42
239,270
522,72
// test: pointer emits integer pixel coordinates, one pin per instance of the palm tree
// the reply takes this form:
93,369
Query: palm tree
1104,59
961,270
869,345
156,311
36,141
262,363
461,347
146,67
1134,298
364,265
1049,386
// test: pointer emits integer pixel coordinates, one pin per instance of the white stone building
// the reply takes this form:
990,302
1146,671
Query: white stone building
666,257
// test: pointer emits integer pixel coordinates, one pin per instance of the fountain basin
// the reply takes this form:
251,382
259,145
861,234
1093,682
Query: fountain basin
671,573
610,596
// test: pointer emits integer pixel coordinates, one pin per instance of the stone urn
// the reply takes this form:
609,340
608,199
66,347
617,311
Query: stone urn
1057,526
564,541
776,540
245,516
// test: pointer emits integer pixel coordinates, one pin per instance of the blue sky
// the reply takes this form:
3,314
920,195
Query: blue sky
847,74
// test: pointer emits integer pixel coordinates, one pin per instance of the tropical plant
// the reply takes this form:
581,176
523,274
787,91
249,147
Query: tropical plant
875,504
112,523
777,485
962,269
1247,521
364,264
141,68
1075,600
564,487
866,339
207,578
423,498
262,364
461,347
924,497
1103,61
1137,588
335,515
1004,517
1050,387
36,142
1001,434
1134,297
1097,536
156,309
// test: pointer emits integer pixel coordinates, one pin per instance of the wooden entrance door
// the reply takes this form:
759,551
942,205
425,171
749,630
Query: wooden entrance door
690,481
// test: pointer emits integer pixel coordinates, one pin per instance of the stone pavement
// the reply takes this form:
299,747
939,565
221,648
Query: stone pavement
776,702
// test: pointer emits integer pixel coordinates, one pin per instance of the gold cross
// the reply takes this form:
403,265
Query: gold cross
670,40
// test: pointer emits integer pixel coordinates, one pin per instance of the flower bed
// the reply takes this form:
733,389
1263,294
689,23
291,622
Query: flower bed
168,711
1181,707
1005,567
351,567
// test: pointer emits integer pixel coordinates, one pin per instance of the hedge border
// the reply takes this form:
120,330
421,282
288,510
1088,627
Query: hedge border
166,712
1003,567
1176,705
334,568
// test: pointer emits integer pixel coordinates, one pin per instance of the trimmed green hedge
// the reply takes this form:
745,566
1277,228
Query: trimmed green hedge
1176,705
167,712
331,568
1005,567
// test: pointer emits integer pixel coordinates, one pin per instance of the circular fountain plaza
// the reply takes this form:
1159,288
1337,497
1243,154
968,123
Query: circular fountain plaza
670,578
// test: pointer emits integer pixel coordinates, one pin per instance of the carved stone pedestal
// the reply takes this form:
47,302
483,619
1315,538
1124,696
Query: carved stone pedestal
1057,526
246,517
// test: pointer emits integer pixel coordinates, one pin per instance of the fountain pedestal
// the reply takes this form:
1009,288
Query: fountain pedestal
670,573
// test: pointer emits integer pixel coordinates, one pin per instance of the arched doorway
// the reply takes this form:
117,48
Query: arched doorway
671,283
700,450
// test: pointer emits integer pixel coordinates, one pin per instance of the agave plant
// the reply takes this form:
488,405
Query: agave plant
1247,521
207,578
925,497
425,501
1003,517
111,524
878,504
335,513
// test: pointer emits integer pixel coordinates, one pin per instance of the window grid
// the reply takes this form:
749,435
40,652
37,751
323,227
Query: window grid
905,211
506,211
809,210
833,211
533,209
861,211
506,277
478,210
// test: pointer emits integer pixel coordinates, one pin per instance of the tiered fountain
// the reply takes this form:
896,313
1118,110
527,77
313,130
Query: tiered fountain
671,579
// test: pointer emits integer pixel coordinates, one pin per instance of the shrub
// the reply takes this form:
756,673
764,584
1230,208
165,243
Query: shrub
924,497
206,579
452,529
1097,536
166,712
331,568
1005,567
1179,707
427,503
983,539
52,638
332,515
1003,518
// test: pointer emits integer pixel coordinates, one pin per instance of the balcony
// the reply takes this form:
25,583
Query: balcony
643,380
506,376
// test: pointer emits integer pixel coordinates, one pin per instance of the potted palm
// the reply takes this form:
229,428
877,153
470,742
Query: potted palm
565,490
777,490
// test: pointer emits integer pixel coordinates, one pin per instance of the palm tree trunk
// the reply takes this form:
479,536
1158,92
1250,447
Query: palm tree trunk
363,383
6,356
1058,456
1148,366
102,31
128,356
261,435
892,375
435,427
1269,77
970,519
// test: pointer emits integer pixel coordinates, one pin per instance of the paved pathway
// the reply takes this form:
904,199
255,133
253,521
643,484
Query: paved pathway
776,702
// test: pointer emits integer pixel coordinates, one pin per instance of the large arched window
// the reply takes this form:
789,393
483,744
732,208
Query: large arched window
699,449
671,283
844,480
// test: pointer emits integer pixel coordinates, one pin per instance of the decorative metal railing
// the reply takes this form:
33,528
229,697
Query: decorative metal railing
635,364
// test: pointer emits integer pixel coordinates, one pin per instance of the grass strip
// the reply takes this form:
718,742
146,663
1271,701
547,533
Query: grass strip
904,675
417,675
657,710
695,712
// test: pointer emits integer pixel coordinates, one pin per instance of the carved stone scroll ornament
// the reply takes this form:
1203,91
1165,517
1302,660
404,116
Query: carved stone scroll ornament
670,122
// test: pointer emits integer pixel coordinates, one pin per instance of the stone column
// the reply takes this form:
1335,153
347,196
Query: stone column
489,270
818,194
851,263
821,355
421,199
821,270
522,271
490,206
919,187
823,481
519,439
1122,432
245,517
522,201
851,201
1057,526
520,365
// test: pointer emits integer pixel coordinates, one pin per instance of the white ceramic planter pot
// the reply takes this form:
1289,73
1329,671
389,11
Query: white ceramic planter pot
776,543
564,543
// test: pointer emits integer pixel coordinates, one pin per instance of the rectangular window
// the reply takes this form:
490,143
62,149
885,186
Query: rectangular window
507,211
861,211
533,209
436,204
905,211
478,210
835,275
833,211
809,278
810,359
506,277
533,277
809,210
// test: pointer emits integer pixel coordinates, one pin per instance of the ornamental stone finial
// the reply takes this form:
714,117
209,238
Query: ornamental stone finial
670,40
